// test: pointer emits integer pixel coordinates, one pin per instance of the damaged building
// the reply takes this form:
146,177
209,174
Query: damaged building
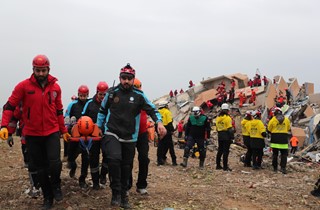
302,109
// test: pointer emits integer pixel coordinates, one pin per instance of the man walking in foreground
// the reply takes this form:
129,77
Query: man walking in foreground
42,113
120,110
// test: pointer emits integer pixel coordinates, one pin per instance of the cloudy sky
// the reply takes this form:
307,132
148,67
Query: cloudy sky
168,42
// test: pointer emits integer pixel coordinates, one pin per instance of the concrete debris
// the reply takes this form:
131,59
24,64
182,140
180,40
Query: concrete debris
302,108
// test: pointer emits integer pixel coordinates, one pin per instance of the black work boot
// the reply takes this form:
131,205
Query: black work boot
103,175
103,179
201,164
185,162
72,172
82,182
125,201
219,167
57,194
283,170
316,193
95,180
116,198
47,203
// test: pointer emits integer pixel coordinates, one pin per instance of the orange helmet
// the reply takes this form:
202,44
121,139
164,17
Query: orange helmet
128,70
137,83
40,61
102,87
85,126
83,89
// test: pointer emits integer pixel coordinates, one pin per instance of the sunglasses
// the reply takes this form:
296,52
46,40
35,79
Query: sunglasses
126,77
101,94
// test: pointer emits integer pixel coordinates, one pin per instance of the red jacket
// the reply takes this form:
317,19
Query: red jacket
42,110
143,122
180,127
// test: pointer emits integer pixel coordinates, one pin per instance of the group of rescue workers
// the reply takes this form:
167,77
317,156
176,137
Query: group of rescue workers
115,121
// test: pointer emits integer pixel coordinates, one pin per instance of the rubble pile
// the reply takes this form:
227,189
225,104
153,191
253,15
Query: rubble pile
301,107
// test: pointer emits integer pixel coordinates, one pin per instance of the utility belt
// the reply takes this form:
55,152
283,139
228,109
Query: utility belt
120,139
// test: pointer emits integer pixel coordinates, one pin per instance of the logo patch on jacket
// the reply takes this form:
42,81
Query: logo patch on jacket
116,99
131,100
54,94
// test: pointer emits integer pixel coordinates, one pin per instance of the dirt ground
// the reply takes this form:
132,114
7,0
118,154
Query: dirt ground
174,187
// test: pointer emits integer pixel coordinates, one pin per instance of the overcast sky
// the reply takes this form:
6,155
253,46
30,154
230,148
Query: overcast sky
168,42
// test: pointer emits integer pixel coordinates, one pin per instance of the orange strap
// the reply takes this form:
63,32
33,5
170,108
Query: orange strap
86,138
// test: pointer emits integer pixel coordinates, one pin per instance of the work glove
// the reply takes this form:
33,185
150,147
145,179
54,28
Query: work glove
10,141
66,136
4,133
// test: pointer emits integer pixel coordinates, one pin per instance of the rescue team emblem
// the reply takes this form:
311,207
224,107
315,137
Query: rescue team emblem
54,94
131,100
116,99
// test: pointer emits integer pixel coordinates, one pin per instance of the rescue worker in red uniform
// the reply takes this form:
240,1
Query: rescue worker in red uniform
42,112
143,150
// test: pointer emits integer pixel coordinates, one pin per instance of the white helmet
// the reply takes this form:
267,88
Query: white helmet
163,104
196,110
249,112
277,110
225,106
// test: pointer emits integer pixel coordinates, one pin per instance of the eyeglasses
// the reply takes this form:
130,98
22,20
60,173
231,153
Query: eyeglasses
126,77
